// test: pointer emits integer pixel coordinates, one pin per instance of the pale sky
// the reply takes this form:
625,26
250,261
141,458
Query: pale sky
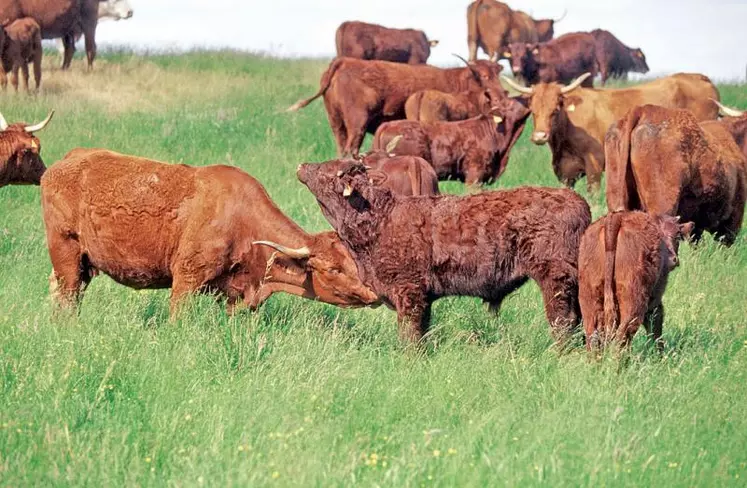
703,36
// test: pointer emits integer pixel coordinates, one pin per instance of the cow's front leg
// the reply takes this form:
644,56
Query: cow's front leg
413,314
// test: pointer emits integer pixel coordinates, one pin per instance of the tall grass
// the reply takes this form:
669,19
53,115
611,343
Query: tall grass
301,393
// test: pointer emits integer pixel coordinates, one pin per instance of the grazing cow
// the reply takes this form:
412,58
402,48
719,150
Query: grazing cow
623,262
615,58
153,225
661,161
371,41
561,60
108,9
20,152
21,45
438,106
493,25
474,151
735,122
360,95
575,120
414,250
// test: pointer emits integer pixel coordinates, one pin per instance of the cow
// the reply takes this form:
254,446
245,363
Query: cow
735,121
474,150
414,250
108,9
213,229
371,41
20,152
575,120
561,60
492,26
615,58
21,45
360,95
438,106
624,261
662,161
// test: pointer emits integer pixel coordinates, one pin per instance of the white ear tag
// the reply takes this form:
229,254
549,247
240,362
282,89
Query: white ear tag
571,108
497,119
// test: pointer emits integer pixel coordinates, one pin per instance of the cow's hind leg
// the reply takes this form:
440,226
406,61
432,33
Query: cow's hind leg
25,71
68,43
356,128
337,124
71,271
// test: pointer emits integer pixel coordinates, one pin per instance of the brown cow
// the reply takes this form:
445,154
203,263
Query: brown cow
414,250
437,106
153,225
561,60
22,45
623,262
575,120
474,150
360,95
371,41
661,161
615,58
20,152
735,122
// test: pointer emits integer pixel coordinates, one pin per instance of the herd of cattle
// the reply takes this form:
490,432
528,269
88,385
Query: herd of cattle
674,170
24,23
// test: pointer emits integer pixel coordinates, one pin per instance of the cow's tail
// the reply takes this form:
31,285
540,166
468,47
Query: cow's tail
472,28
620,180
611,231
324,85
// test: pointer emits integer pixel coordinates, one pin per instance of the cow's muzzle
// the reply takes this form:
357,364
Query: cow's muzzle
540,137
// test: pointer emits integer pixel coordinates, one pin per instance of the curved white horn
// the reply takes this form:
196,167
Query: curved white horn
731,112
300,253
40,125
565,11
516,86
575,83
3,122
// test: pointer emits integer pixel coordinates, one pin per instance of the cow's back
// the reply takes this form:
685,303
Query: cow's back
492,22
55,17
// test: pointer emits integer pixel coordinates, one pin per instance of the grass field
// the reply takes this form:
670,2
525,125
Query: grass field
305,394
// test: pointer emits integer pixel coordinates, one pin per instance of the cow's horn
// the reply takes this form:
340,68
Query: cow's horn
393,143
40,125
516,86
300,253
575,84
731,112
565,12
3,122
458,56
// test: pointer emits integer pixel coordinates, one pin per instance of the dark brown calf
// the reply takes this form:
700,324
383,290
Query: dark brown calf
615,58
371,41
20,153
438,106
22,45
414,250
624,261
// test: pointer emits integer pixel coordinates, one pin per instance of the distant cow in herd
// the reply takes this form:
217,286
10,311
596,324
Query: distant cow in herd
412,251
474,151
561,60
662,161
616,59
361,95
20,44
574,121
735,121
371,41
153,225
624,261
20,152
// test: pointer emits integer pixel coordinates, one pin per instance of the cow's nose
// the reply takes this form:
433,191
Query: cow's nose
539,137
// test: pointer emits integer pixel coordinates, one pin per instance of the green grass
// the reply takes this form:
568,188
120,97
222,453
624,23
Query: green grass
305,394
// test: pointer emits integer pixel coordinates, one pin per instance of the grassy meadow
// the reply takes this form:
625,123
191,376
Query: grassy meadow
305,394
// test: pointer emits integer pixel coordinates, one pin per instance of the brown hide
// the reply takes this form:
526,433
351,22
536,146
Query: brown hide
624,260
153,225
435,106
371,41
561,60
474,151
576,122
22,46
414,250
361,95
615,58
661,161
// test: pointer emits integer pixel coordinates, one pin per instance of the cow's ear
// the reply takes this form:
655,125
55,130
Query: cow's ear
376,177
686,229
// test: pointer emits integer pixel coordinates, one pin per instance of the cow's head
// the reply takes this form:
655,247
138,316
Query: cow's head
509,116
672,233
20,159
522,57
548,103
115,9
481,74
639,61
323,270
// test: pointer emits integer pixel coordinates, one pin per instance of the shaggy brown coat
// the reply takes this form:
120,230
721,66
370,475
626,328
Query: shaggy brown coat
624,261
661,161
58,18
575,122
414,250
20,45
615,58
371,41
474,151
20,153
735,122
361,95
437,106
560,60
153,225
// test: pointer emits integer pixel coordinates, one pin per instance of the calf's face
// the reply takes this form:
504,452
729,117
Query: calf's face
520,54
672,232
